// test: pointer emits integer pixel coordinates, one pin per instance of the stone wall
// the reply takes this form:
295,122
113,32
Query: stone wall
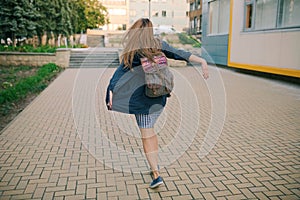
60,58
177,63
63,57
95,40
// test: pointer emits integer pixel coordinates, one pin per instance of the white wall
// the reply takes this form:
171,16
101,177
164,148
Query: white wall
277,48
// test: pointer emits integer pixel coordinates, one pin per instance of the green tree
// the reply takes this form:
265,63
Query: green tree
26,18
77,16
45,18
17,19
96,13
62,19
88,14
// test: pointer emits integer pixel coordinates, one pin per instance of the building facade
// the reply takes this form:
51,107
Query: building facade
259,35
195,17
123,13
215,30
172,13
117,13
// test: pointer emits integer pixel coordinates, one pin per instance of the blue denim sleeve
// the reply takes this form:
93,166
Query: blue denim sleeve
174,53
116,77
113,81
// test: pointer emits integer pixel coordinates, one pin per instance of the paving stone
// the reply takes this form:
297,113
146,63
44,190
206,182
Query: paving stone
57,149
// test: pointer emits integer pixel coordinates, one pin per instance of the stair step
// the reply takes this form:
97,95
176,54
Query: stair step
93,53
93,66
94,58
85,63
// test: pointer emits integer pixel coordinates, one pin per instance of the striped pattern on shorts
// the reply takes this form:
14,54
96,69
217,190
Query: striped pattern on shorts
147,120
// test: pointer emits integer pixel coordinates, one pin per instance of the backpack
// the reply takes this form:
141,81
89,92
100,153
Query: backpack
159,79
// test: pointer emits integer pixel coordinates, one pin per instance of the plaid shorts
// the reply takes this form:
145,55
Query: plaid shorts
147,120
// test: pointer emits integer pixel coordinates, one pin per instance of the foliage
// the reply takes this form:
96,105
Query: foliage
75,46
87,14
186,39
27,18
95,13
10,75
13,92
54,18
17,19
39,49
28,48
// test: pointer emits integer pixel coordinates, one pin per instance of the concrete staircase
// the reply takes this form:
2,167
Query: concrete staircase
94,58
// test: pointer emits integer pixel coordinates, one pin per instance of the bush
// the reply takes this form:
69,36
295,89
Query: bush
28,48
75,46
39,49
186,39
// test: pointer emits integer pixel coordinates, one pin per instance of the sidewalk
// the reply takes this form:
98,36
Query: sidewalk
66,145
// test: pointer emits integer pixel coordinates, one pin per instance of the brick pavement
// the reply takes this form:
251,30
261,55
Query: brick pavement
66,145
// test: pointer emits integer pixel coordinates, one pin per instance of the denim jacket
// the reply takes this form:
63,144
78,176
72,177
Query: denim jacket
128,86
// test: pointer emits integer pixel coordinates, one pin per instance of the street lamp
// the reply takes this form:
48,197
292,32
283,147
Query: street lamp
149,9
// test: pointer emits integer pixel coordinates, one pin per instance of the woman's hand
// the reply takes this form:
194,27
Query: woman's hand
110,100
203,63
204,69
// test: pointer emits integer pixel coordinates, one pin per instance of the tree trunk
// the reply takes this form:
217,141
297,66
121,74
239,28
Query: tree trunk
56,40
13,38
48,36
39,39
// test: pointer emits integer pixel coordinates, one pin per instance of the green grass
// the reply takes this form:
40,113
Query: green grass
15,88
10,75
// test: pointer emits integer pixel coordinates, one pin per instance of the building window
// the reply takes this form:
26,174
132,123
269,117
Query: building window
195,23
200,27
265,14
219,16
192,6
164,13
198,4
271,14
248,17
154,13
290,13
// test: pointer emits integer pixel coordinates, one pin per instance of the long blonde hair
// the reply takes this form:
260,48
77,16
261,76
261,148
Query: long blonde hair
139,39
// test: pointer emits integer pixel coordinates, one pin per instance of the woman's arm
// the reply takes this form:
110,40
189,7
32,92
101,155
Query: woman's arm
179,54
112,83
174,53
203,63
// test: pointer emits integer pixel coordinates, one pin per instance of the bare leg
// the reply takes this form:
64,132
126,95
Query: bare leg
150,145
